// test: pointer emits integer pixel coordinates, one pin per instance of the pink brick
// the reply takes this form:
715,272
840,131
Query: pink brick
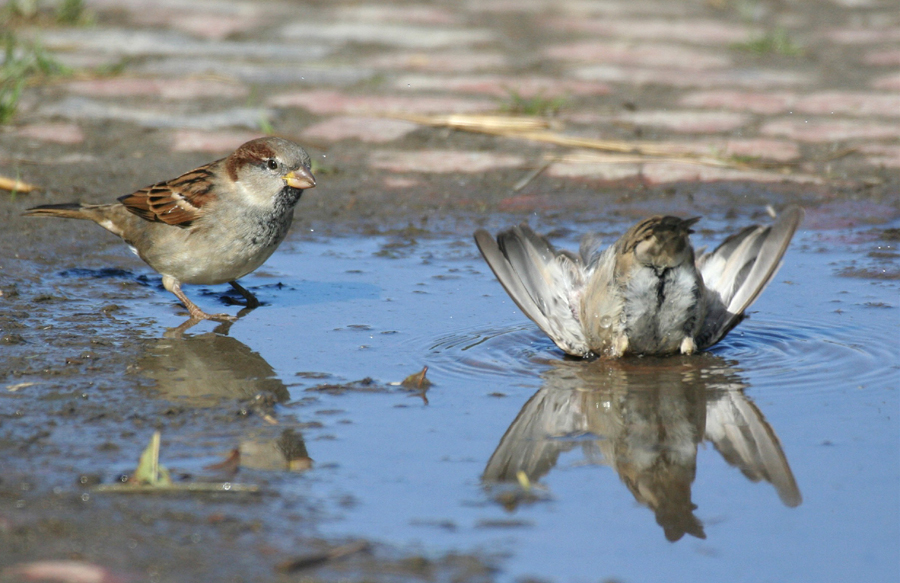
442,62
400,182
212,23
692,30
667,172
751,78
212,142
818,130
692,122
601,171
443,161
762,148
366,129
211,26
582,8
765,103
329,102
852,103
407,13
887,155
867,35
887,82
883,58
644,55
501,86
164,88
57,133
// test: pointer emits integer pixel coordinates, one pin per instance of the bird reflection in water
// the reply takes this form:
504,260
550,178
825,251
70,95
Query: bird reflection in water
644,418
206,370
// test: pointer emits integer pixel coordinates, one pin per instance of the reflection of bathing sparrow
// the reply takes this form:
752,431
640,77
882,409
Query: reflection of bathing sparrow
647,293
212,225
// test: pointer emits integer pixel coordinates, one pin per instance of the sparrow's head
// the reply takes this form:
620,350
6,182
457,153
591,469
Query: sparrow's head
269,167
661,242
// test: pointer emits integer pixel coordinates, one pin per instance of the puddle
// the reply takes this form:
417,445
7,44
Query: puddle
773,457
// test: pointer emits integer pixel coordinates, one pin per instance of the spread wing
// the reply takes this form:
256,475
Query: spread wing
545,283
176,202
738,270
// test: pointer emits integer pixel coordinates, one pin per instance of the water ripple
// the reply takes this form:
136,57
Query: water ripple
803,356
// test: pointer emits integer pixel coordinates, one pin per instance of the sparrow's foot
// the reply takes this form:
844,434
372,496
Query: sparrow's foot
252,302
173,285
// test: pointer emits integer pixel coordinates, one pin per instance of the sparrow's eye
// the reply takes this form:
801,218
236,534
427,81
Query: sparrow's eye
272,164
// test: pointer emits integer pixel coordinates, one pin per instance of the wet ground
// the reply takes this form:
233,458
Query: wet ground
773,457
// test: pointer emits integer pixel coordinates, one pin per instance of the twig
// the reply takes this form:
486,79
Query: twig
316,559
536,130
526,180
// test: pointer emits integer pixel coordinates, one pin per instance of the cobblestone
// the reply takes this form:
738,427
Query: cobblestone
366,129
58,133
203,77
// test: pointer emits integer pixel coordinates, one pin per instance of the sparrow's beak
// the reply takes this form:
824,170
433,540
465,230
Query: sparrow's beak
301,178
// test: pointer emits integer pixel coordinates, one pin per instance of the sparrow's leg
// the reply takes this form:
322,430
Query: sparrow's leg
252,302
172,284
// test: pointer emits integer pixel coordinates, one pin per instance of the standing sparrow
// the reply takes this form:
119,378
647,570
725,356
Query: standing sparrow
646,294
214,224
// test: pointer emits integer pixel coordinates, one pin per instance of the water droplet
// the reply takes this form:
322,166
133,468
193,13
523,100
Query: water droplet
605,322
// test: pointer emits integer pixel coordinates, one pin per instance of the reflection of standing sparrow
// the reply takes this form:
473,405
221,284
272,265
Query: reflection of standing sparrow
212,225
646,294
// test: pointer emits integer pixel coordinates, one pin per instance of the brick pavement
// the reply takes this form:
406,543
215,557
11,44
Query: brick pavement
205,76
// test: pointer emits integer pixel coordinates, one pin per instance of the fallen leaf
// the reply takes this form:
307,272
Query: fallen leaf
417,380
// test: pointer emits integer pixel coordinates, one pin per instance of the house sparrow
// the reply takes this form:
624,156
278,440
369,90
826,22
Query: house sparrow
211,225
647,293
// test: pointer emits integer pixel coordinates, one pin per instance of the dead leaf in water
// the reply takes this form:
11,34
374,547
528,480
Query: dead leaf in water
417,380
230,464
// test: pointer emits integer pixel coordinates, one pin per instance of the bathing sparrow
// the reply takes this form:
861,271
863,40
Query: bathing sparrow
647,293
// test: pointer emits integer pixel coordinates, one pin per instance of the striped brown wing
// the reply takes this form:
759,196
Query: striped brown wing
178,202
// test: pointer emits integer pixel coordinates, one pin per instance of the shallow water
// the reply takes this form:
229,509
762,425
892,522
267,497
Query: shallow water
773,457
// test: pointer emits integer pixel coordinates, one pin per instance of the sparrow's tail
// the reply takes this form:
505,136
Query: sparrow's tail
545,283
99,213
738,270
69,210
